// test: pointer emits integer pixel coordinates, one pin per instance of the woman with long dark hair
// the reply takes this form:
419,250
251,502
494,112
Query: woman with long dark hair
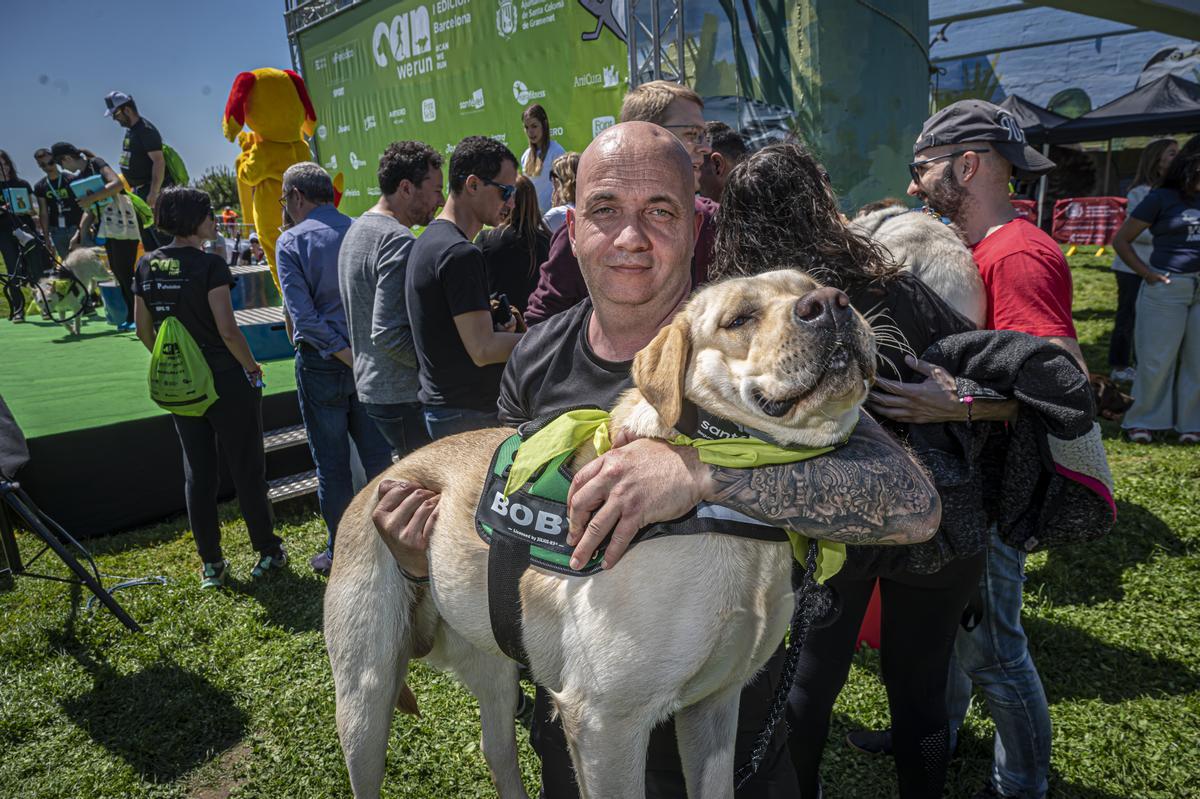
17,213
108,214
1151,167
1166,390
778,210
183,281
539,156
514,251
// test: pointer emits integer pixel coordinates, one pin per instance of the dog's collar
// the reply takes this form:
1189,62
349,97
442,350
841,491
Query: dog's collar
696,422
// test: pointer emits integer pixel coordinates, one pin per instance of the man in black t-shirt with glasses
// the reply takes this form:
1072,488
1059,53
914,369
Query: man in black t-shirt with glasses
460,351
58,211
142,161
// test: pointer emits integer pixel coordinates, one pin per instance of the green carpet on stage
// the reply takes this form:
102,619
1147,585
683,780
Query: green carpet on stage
55,382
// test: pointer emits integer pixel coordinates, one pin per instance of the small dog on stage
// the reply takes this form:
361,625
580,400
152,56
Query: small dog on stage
681,623
930,250
60,295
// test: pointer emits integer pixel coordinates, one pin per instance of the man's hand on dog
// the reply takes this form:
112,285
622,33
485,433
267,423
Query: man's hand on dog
638,483
404,518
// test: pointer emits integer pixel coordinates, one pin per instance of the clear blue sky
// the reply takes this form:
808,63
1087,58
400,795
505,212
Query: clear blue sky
177,58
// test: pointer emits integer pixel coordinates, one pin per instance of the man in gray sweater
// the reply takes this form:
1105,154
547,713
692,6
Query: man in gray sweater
371,269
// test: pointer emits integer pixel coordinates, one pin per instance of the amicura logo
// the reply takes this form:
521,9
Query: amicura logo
506,18
406,39
472,103
523,94
608,77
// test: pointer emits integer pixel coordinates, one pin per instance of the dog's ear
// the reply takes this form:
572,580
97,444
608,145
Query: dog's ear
660,368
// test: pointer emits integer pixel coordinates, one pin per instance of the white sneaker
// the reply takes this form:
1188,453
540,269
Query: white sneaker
1125,375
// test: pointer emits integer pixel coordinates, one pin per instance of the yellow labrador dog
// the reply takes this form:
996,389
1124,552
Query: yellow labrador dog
677,628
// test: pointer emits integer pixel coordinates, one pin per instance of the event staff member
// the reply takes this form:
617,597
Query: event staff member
514,249
460,350
681,111
963,161
115,225
372,266
143,164
635,201
728,150
183,281
307,257
540,155
1166,390
17,213
58,211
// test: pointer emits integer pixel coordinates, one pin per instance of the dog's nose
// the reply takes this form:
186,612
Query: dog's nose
825,307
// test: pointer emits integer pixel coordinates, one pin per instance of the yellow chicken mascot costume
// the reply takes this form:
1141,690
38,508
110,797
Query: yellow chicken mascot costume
274,103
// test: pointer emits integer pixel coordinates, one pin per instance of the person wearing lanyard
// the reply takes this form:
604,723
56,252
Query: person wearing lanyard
57,209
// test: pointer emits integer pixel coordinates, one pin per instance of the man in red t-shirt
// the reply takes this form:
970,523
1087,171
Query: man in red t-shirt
963,161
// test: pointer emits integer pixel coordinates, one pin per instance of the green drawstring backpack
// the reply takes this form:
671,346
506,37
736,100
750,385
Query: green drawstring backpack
180,378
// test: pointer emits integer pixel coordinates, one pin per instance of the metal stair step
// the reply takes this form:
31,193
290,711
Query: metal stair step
292,486
284,437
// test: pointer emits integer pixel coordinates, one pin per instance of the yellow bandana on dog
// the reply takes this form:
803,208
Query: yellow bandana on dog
569,432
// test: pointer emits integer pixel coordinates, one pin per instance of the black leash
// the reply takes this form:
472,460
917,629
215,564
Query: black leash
798,631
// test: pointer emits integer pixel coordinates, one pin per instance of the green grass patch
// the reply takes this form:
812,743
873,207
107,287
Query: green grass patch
229,693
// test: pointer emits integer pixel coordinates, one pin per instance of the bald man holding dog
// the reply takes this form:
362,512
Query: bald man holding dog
633,231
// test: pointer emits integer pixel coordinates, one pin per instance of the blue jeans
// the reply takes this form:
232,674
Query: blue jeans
401,423
333,415
441,422
995,656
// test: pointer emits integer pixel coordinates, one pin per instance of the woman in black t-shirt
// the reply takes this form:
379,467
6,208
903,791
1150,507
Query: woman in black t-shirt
514,250
778,210
120,241
16,212
183,281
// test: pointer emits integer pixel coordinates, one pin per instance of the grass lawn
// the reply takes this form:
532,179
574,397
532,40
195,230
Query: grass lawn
230,692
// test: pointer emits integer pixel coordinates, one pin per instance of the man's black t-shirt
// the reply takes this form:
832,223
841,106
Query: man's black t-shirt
141,140
551,370
61,208
446,278
175,281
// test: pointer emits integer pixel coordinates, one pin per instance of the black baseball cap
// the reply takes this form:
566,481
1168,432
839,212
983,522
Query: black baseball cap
979,120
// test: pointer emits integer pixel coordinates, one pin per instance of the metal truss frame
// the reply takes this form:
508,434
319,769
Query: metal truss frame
652,27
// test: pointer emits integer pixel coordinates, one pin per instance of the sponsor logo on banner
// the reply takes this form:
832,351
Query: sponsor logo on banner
351,193
556,132
331,163
472,103
339,91
368,122
343,55
374,191
600,123
406,41
320,63
523,94
355,161
506,19
608,77
343,129
428,109
398,115
322,131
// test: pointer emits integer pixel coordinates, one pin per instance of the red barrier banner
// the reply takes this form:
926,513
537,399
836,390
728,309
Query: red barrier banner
1088,220
1026,209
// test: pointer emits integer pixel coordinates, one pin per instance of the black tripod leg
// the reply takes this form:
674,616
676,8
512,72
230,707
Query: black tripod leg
86,577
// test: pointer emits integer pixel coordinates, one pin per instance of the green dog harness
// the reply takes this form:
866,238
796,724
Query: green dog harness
522,513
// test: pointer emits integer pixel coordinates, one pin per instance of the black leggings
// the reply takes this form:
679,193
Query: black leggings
235,422
921,613
122,257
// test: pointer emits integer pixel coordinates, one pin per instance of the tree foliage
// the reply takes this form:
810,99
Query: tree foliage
221,185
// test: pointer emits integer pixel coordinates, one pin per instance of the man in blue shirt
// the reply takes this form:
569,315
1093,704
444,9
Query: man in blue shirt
307,255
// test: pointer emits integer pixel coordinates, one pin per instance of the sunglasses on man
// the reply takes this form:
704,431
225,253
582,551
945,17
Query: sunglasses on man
916,168
507,190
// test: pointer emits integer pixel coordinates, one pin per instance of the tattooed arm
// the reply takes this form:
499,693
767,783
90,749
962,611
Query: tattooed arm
869,491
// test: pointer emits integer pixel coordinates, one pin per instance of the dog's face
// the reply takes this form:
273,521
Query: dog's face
776,352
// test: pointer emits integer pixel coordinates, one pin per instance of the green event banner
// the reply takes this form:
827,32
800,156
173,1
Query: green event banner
439,70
